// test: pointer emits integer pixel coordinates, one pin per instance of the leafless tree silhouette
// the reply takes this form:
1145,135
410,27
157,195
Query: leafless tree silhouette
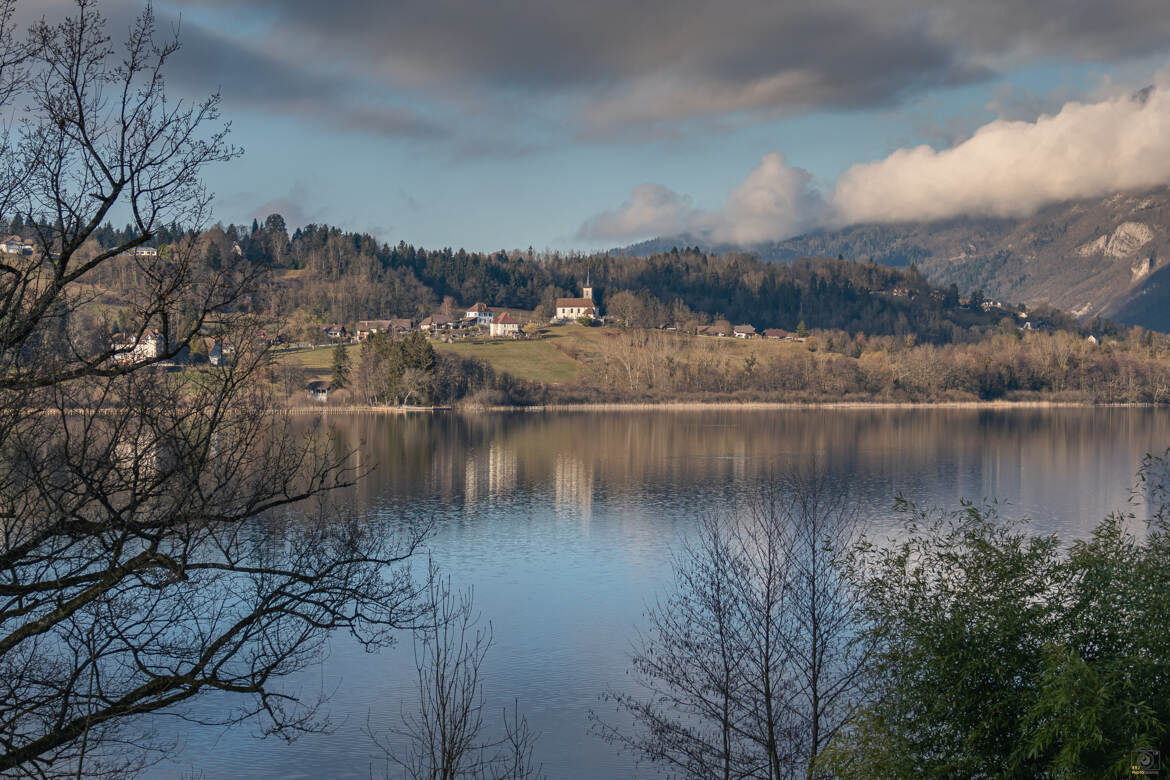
444,736
750,668
148,551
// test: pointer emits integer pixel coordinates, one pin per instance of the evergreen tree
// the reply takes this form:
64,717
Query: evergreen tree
341,367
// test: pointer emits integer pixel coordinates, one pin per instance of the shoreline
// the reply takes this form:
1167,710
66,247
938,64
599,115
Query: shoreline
699,406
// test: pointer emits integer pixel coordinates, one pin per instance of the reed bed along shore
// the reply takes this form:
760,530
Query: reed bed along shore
700,406
697,406
362,409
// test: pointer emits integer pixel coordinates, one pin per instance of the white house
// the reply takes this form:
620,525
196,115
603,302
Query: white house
481,313
572,308
504,325
15,245
220,354
148,347
141,251
744,331
318,391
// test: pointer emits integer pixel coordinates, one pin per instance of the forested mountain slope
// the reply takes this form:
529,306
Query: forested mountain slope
1105,257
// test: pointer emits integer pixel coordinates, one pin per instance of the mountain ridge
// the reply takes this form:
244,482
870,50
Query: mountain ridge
1104,257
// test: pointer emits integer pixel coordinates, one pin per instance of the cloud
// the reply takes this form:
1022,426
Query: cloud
1010,168
652,210
774,202
250,78
818,59
1007,168
296,206
1013,102
613,66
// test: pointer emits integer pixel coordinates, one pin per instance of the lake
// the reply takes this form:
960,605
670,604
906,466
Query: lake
564,525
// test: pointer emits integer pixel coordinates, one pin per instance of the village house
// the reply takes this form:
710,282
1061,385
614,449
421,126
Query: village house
744,331
717,328
141,251
568,309
366,328
318,391
271,339
220,354
480,313
334,332
132,349
775,333
504,325
15,245
436,322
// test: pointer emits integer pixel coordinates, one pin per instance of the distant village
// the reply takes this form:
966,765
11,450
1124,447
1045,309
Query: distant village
452,324
504,324
474,322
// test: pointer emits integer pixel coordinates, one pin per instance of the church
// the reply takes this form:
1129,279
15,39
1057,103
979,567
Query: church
572,308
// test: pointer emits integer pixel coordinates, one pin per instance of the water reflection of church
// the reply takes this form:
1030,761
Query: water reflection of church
490,478
573,484
493,474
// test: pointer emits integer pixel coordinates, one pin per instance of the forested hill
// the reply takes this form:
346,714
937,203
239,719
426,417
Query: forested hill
1093,257
335,276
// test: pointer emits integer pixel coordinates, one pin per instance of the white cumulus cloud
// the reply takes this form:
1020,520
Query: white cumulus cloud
652,210
1007,168
774,202
1012,168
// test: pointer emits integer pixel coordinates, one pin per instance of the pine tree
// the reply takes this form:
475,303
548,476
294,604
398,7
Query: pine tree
340,367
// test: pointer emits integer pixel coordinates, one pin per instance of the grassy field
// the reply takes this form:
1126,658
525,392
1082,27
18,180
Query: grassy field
557,356
585,343
319,358
537,360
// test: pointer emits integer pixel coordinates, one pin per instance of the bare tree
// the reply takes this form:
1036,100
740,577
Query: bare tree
750,667
148,552
821,640
445,735
689,714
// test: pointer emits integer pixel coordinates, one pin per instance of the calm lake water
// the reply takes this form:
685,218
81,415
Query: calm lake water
564,524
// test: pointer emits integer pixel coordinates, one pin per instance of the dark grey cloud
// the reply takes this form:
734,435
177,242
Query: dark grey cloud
629,64
643,70
248,77
254,76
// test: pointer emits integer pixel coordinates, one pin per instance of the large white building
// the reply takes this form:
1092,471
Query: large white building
572,308
481,314
149,346
504,325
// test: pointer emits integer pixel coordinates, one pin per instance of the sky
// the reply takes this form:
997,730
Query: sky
566,124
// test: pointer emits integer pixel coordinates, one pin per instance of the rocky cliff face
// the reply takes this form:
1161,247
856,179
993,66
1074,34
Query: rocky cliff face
1107,257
